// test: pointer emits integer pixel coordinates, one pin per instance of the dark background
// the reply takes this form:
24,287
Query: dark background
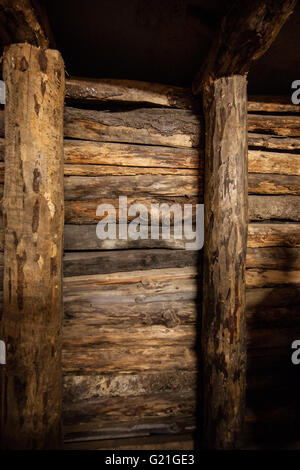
161,41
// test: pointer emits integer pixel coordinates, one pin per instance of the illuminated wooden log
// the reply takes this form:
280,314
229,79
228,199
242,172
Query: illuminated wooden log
33,220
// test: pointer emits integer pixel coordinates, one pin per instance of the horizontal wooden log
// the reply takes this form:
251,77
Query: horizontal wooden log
125,359
279,125
128,91
260,161
130,157
273,184
107,153
271,104
89,427
84,212
273,207
273,258
270,278
273,142
110,170
82,263
273,234
156,441
84,238
86,388
87,188
170,127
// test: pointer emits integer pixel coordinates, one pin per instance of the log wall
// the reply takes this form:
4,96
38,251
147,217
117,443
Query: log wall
131,307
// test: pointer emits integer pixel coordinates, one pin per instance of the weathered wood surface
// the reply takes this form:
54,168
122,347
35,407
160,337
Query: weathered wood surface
150,442
260,161
87,188
272,104
84,212
83,238
273,258
223,343
81,263
273,142
273,234
273,184
33,220
281,125
110,170
274,207
129,91
25,21
245,34
155,126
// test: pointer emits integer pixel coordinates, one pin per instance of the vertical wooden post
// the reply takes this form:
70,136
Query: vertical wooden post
33,220
223,325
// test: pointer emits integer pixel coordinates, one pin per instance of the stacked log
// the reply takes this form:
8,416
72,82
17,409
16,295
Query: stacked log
130,356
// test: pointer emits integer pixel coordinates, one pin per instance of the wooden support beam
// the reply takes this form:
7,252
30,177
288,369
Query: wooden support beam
25,21
33,220
223,323
246,32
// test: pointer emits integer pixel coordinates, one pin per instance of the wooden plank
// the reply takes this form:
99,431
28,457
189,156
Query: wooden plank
84,212
110,170
83,238
88,188
273,142
107,153
288,126
81,263
270,278
281,258
274,208
273,184
271,104
92,387
158,442
273,234
33,217
128,91
260,161
155,126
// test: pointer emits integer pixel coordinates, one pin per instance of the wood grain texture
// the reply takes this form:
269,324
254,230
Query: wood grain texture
128,91
272,104
285,208
273,142
169,127
223,319
279,125
33,220
273,234
260,161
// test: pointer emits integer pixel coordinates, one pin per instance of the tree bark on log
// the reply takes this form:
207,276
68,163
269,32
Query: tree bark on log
33,220
223,323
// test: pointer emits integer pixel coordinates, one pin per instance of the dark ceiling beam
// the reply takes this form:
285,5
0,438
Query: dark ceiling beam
25,21
246,33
